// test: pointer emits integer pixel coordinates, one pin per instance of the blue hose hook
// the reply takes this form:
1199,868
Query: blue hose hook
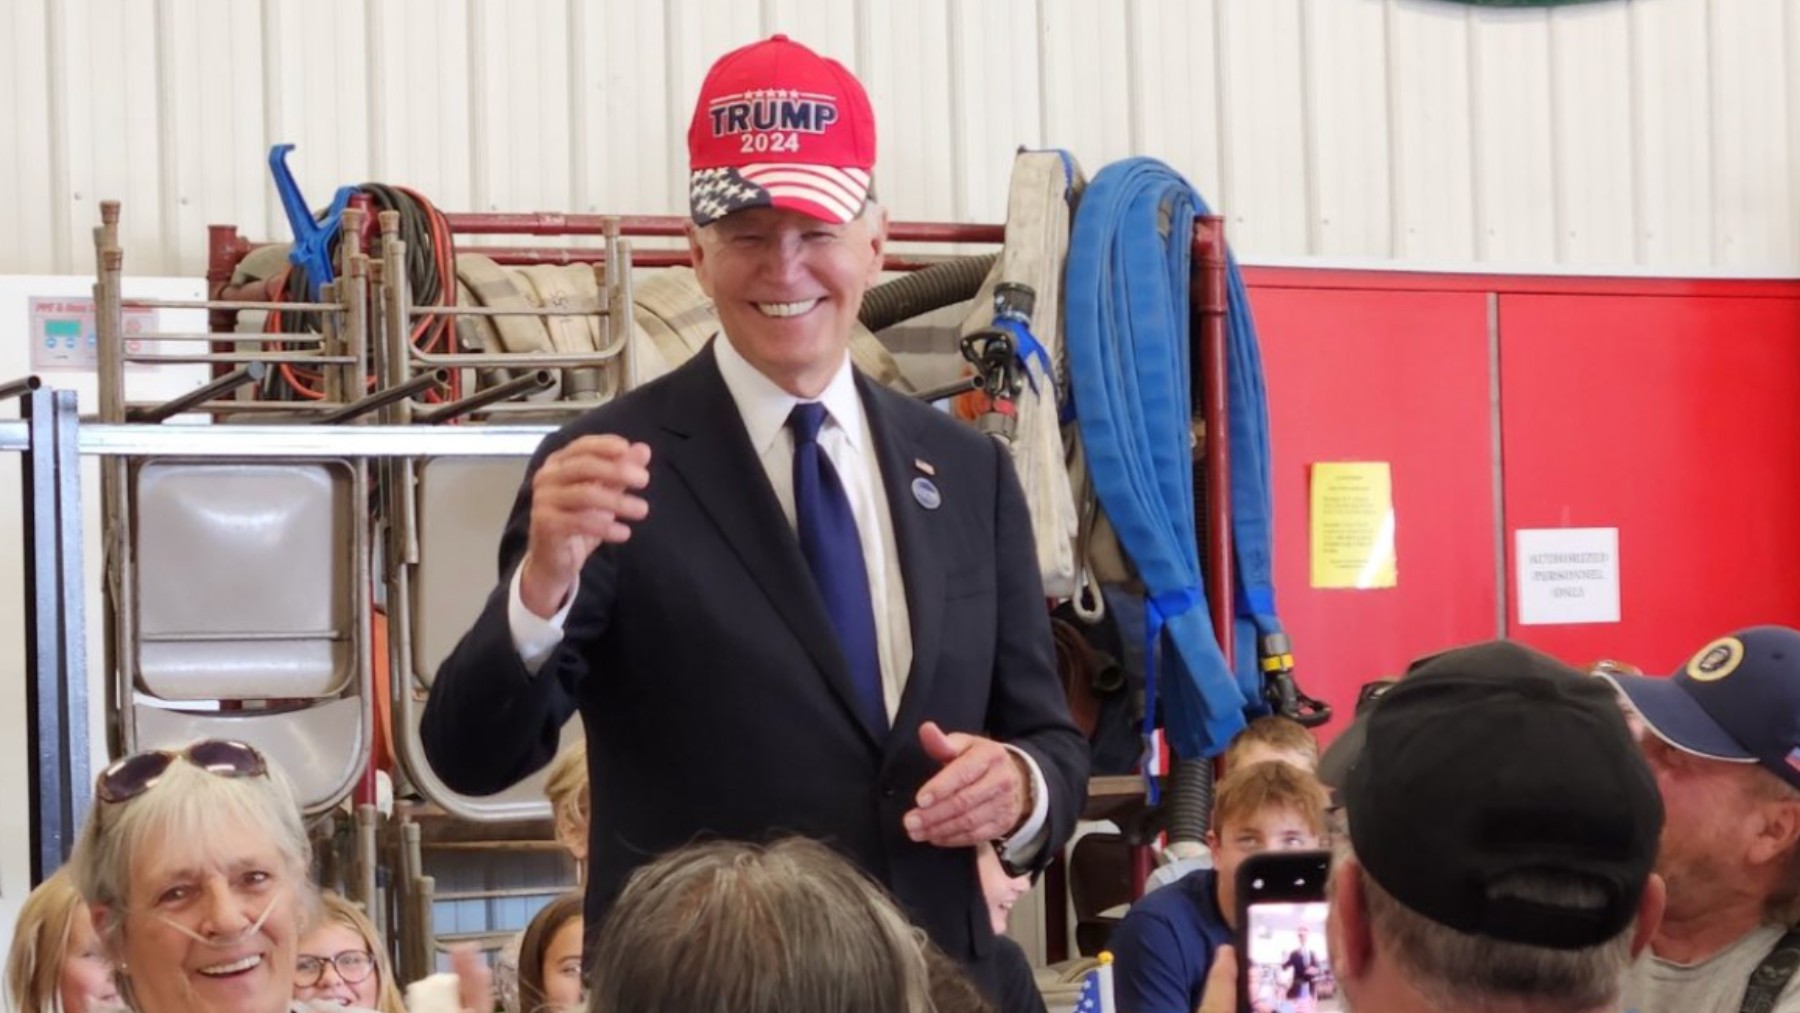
311,251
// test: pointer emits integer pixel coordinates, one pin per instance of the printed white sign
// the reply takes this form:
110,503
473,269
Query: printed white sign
1567,575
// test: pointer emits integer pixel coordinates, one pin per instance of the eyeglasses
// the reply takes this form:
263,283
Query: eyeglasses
352,966
133,775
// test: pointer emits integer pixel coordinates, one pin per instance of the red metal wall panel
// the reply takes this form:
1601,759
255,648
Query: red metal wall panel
1677,421
1397,376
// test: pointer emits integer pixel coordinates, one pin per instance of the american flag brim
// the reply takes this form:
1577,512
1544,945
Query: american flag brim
827,193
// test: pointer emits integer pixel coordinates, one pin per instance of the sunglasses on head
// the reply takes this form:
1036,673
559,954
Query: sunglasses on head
131,776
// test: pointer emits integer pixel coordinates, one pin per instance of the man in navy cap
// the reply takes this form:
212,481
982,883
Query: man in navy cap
1723,737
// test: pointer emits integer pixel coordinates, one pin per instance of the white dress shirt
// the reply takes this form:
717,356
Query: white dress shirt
850,445
847,441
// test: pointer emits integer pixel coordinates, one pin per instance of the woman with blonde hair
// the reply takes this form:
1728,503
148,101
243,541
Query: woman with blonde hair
566,786
56,964
342,961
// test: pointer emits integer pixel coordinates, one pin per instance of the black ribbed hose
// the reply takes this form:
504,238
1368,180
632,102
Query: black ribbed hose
1191,789
1190,799
924,290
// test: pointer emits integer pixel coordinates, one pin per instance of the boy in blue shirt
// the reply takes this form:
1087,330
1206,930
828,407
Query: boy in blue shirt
1165,945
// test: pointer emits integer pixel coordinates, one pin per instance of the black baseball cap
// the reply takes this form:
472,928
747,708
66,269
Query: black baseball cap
1496,759
1737,700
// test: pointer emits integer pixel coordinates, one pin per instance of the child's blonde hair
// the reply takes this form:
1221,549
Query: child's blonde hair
1274,732
1271,785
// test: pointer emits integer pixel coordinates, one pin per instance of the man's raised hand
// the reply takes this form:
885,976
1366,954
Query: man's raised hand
583,496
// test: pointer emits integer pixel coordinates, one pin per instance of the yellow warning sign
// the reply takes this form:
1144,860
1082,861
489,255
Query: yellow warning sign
1352,523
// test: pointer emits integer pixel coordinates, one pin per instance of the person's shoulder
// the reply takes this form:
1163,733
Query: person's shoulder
1200,887
1162,950
1201,891
1015,965
1188,900
1002,941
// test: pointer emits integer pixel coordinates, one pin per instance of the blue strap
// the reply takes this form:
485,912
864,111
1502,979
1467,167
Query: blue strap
1158,610
1026,347
1127,331
311,251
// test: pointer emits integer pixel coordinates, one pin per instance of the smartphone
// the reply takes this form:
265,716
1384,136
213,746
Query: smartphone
1283,963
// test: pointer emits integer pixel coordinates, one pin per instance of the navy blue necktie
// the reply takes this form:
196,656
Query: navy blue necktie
834,553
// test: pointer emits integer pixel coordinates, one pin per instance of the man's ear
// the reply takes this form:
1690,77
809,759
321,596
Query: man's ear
1351,943
1777,831
1650,913
878,231
697,254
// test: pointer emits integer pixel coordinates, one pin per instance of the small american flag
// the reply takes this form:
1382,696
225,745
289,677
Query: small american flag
1097,989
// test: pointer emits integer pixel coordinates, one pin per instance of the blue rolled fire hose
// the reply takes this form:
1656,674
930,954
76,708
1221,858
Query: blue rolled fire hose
1127,334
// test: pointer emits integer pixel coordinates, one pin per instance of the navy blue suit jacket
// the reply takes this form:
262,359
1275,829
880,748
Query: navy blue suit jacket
716,701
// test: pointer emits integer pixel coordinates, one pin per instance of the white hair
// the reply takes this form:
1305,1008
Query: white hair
190,805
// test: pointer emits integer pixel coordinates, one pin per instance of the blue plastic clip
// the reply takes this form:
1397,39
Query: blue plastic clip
312,239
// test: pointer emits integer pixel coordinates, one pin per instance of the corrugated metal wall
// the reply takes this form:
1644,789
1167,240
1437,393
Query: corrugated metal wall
1657,134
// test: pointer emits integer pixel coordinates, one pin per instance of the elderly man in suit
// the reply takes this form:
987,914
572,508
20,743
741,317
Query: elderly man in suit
783,599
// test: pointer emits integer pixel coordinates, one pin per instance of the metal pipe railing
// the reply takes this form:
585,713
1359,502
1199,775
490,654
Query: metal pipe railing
676,226
386,396
552,360
179,358
501,311
225,247
237,338
23,385
231,304
531,383
250,373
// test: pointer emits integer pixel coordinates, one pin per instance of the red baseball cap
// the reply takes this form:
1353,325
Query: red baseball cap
778,125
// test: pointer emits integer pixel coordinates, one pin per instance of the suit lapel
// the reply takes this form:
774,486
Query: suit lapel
897,445
715,460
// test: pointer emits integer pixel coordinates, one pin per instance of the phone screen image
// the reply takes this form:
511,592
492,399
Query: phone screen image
1289,969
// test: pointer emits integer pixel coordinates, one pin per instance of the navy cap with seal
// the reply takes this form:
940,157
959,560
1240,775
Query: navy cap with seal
1492,762
1736,700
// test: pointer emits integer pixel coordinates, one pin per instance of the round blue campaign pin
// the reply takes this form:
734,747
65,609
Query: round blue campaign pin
926,493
